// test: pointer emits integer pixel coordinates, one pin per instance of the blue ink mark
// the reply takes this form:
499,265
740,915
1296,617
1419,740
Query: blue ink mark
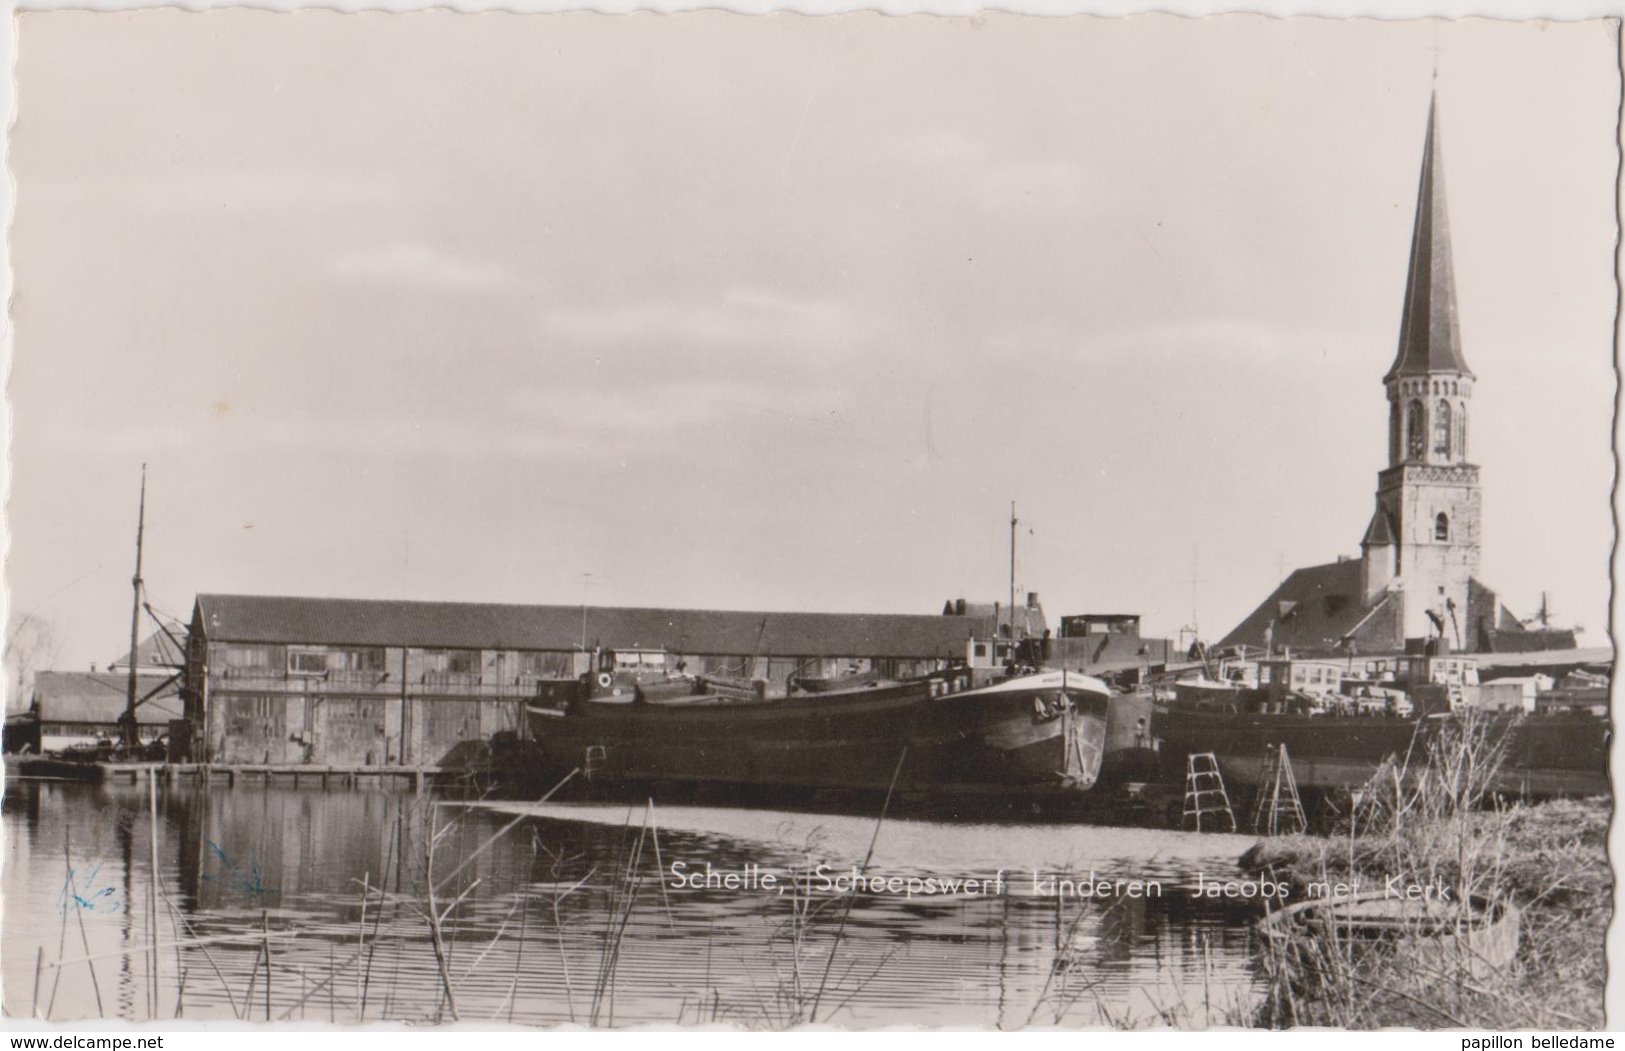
249,882
83,894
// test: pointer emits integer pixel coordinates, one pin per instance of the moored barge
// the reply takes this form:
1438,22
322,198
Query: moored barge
1564,754
961,730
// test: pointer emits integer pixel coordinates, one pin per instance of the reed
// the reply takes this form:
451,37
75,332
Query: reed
434,918
1061,965
152,889
557,900
846,914
39,965
84,937
524,924
62,941
1440,823
623,901
361,938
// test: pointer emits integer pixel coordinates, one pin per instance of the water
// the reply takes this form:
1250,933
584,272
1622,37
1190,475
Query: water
567,918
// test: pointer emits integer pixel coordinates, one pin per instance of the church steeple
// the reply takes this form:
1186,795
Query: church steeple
1423,539
1429,383
1429,336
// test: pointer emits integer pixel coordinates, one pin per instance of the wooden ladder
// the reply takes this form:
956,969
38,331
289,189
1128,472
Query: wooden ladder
1278,802
1204,791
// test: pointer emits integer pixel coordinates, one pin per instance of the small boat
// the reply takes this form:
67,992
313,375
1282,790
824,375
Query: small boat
1475,937
832,684
961,728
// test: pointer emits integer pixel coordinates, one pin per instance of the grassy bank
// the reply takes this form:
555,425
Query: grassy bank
1549,859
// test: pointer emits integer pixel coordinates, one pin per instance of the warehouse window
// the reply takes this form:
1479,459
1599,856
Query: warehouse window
537,665
456,661
248,657
307,662
366,658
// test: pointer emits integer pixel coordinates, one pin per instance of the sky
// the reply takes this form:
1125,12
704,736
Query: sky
782,313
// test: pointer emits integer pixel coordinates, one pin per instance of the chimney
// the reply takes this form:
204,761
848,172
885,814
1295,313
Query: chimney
959,607
1032,600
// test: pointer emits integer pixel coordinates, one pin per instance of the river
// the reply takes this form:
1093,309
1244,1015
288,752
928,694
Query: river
311,905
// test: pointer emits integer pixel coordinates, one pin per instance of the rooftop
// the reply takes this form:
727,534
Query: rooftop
466,625
93,697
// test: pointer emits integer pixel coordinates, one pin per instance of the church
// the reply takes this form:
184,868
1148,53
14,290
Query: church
1417,573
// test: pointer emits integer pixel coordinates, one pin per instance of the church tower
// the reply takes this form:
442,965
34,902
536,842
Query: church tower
1423,541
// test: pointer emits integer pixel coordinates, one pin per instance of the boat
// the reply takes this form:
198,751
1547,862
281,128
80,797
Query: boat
1477,935
1561,754
959,729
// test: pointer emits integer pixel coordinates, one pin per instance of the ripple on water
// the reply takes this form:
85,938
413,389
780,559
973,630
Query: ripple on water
547,926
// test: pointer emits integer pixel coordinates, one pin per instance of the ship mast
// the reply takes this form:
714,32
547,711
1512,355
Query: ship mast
132,737
1011,612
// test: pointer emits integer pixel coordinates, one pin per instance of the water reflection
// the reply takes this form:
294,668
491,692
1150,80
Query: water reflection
300,904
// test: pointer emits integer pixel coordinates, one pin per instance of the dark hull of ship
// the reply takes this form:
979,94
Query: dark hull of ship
1012,736
1544,755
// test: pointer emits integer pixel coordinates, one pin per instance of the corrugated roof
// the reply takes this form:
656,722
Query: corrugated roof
1429,335
89,697
467,625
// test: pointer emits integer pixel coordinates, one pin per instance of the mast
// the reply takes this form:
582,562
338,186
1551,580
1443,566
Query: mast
1012,607
132,737
586,583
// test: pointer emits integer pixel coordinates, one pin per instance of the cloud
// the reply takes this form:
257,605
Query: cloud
1227,338
1053,185
212,191
995,181
738,317
397,437
416,265
662,407
940,147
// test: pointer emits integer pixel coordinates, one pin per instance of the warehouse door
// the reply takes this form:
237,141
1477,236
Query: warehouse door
448,723
351,732
256,729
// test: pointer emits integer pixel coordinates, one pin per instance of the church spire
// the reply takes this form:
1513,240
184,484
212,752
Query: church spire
1429,337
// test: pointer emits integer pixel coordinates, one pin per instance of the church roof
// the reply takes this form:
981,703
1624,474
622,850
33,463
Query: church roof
1316,608
1380,533
1429,336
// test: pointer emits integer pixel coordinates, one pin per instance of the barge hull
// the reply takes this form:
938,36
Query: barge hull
1015,735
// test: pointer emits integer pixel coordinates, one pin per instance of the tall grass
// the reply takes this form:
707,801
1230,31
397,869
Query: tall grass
1434,822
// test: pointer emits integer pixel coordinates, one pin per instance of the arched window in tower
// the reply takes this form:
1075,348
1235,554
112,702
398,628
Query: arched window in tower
1461,430
1415,433
1441,429
1441,527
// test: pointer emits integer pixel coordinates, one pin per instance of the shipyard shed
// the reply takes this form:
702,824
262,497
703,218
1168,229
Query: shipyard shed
360,682
78,709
